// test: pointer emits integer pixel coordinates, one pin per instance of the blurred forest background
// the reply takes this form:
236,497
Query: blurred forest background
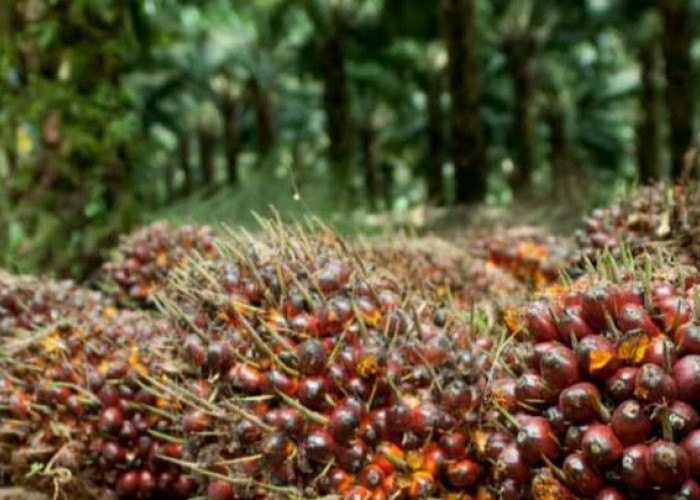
113,112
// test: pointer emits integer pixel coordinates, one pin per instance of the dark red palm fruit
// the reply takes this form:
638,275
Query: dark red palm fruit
687,338
433,460
532,391
339,481
352,456
195,351
110,420
540,348
512,465
571,325
691,445
421,485
371,476
454,444
661,351
245,378
219,490
344,422
682,418
597,357
164,481
686,374
219,356
653,385
373,427
495,444
633,471
128,483
359,388
593,306
634,318
462,474
398,417
610,493
628,293
304,323
75,406
556,418
689,490
312,356
109,395
581,403
620,386
539,322
195,421
581,476
425,418
667,464
275,448
457,396
312,393
147,483
113,454
319,446
545,485
291,422
629,423
601,446
509,490
673,311
536,439
183,486
559,368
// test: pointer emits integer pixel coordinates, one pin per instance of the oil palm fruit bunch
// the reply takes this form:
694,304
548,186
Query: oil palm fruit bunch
142,263
602,394
304,374
438,270
28,302
77,417
532,257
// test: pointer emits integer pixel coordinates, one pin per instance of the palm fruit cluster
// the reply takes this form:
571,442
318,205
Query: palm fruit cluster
142,263
28,302
324,378
438,270
533,258
602,394
77,416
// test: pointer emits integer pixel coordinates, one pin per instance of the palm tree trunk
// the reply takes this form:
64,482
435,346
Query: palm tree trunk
336,101
229,111
519,55
368,140
560,160
183,148
207,142
436,142
264,123
648,126
677,40
466,147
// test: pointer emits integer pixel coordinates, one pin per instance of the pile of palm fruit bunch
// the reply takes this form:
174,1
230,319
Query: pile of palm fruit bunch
602,391
531,256
439,270
28,302
141,264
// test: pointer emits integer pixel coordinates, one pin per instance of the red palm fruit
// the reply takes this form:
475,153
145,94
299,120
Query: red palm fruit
619,296
571,325
128,483
147,484
689,490
352,456
454,444
629,423
425,418
581,403
686,374
109,395
319,446
398,417
220,490
536,439
219,356
287,420
312,393
581,476
691,445
556,419
110,420
541,347
673,311
373,427
601,446
275,448
653,385
371,476
633,472
634,318
183,486
532,391
312,356
357,492
661,351
495,444
682,418
687,338
512,465
457,396
667,464
593,306
510,490
195,351
610,493
545,486
597,356
340,481
462,474
344,422
422,485
620,386
245,378
539,322
559,368
434,459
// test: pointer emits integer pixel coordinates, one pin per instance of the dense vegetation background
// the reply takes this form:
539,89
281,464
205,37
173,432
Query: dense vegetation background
116,111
